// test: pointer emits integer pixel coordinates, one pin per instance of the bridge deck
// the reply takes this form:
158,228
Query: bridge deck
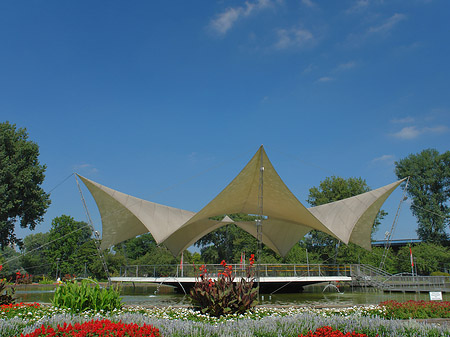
289,277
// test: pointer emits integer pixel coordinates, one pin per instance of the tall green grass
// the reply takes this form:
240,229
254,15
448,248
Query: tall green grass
80,296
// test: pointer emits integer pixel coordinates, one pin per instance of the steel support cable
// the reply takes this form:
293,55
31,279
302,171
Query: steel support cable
45,244
118,211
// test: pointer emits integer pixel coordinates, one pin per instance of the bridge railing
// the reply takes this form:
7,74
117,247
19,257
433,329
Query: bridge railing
239,270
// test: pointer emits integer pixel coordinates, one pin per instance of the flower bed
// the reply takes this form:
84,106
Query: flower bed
327,331
104,328
416,309
261,321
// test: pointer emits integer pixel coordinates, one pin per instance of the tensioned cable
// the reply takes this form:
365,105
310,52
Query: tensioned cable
122,210
177,184
45,244
432,212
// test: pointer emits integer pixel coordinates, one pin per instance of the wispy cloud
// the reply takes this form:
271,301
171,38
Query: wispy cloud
224,21
325,79
387,25
412,132
405,120
293,38
311,67
308,3
345,66
85,169
386,158
358,6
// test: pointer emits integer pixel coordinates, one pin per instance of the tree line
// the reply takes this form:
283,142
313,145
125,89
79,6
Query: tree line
68,248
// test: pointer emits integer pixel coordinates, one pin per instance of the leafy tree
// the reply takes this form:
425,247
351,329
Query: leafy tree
114,262
137,247
22,200
66,238
429,189
299,254
229,242
329,190
12,259
34,258
428,258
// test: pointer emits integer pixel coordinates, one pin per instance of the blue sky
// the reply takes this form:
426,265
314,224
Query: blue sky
167,101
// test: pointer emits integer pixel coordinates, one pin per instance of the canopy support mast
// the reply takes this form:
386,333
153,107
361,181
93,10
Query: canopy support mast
95,233
389,235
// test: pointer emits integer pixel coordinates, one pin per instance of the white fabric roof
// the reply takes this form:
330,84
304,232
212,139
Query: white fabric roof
288,220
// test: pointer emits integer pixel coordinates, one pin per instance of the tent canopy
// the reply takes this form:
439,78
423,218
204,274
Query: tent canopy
257,187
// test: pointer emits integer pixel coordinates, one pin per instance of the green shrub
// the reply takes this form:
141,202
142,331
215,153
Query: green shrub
439,273
80,296
224,296
6,294
45,280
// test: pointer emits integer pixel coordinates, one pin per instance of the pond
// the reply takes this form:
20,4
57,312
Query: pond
152,295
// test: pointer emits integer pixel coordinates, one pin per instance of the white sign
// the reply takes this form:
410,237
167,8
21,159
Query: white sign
435,296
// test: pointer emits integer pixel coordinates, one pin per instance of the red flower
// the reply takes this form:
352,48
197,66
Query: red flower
252,259
97,328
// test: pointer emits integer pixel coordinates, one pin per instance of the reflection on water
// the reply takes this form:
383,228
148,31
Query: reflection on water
151,295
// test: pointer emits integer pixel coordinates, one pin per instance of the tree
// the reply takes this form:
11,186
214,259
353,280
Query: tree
329,190
429,189
428,258
137,247
229,242
66,238
34,254
22,200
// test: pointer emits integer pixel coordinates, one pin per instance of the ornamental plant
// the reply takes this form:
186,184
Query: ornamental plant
6,294
79,296
104,328
223,296
416,309
327,331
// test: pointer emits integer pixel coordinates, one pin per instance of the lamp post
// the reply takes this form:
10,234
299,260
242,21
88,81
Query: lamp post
57,266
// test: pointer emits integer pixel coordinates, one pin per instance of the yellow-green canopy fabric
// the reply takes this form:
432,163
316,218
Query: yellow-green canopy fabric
258,186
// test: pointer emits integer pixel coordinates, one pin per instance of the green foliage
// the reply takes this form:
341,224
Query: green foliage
35,259
229,242
66,251
6,293
224,296
429,189
428,258
79,296
22,200
12,257
439,273
329,190
46,280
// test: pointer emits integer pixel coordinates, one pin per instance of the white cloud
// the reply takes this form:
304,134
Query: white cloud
405,120
225,20
325,79
85,168
308,3
345,66
436,130
409,132
386,158
358,6
311,67
388,24
412,132
293,38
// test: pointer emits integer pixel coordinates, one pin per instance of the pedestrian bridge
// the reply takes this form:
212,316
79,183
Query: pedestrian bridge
270,277
288,278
